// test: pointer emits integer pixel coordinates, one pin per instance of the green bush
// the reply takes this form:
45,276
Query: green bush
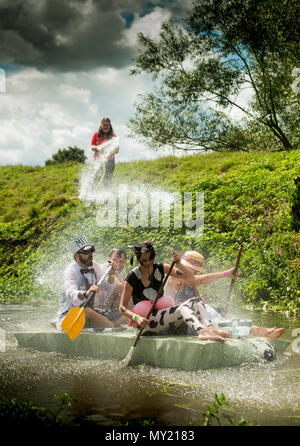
71,154
248,199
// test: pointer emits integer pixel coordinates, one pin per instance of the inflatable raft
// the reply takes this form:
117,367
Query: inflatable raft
180,352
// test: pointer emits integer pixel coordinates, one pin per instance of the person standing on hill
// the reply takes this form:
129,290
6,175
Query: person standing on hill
104,133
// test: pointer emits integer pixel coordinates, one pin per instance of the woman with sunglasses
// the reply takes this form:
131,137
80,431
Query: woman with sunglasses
80,279
142,284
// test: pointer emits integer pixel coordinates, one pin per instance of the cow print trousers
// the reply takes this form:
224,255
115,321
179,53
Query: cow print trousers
192,312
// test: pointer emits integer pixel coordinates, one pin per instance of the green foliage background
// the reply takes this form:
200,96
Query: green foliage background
71,154
203,63
248,199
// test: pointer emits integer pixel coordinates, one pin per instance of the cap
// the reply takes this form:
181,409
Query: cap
80,242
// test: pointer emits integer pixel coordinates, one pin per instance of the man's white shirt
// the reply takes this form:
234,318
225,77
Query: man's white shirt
74,284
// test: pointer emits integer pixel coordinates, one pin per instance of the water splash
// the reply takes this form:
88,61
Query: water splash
92,175
264,392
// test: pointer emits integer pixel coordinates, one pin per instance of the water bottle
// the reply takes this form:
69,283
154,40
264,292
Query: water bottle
235,329
225,326
245,328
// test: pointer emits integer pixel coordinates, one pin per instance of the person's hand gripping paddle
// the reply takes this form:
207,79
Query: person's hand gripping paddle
74,321
232,281
125,362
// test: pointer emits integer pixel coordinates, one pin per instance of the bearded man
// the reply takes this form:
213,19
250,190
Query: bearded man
80,280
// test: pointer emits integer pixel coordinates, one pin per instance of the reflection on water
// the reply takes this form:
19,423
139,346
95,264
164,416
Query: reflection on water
267,393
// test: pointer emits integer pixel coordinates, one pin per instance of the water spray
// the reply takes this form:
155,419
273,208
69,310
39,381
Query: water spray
93,175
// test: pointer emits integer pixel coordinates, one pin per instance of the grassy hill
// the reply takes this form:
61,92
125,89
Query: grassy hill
248,199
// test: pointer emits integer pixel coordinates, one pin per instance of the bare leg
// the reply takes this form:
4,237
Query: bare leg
261,331
96,320
121,321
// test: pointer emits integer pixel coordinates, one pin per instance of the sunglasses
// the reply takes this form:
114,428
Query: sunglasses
87,250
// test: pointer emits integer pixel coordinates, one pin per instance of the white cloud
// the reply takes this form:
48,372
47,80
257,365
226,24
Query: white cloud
149,25
42,112
134,150
79,94
242,99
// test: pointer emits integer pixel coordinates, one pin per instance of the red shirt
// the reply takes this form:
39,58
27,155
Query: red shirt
97,140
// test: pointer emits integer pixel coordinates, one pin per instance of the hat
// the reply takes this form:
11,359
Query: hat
80,242
194,260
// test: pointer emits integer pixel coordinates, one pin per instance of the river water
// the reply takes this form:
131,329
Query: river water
105,394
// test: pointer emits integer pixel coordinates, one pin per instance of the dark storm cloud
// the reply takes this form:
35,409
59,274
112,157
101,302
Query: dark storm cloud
72,35
62,35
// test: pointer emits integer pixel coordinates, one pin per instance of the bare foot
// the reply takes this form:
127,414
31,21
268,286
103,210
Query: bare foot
276,333
52,324
206,334
222,333
262,331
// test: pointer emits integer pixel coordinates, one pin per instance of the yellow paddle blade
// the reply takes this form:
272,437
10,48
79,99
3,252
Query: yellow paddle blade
74,322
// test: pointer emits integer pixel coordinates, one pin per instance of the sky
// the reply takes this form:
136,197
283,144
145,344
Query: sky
64,64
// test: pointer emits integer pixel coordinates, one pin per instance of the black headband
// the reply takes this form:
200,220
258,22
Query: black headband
144,246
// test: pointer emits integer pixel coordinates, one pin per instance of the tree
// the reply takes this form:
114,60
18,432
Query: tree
223,48
71,154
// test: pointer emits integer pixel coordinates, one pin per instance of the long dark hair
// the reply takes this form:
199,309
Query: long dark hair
146,246
100,131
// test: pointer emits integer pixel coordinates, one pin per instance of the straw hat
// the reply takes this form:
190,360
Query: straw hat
79,242
194,260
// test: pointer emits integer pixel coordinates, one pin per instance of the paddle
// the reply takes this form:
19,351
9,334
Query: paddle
74,321
127,360
232,280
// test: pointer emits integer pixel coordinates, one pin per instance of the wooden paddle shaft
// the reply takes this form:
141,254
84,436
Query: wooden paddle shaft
160,291
98,284
233,280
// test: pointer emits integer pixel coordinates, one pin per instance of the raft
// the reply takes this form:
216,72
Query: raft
176,352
